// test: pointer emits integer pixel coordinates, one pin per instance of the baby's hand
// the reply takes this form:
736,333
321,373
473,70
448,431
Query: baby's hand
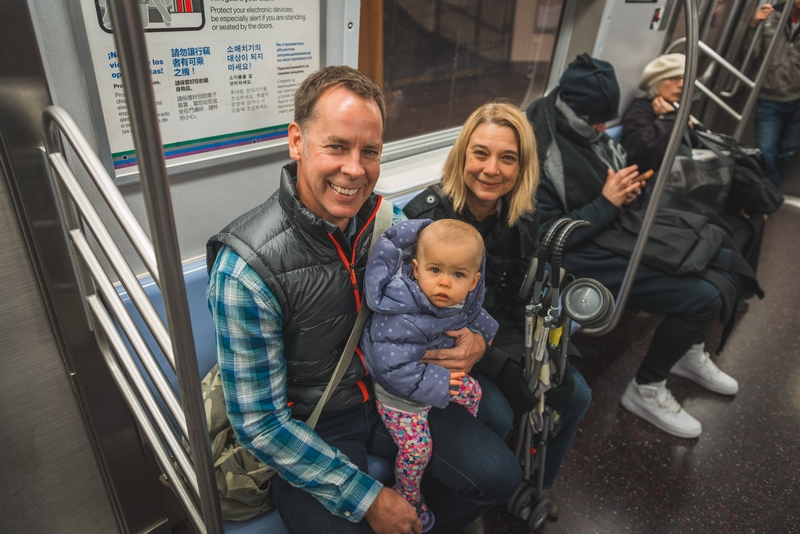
455,380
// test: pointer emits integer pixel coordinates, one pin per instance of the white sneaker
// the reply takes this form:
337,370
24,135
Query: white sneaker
655,404
697,366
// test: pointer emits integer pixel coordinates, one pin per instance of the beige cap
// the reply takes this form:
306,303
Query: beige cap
662,67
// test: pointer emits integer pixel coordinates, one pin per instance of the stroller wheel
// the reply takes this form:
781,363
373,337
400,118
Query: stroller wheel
526,499
513,499
539,514
587,301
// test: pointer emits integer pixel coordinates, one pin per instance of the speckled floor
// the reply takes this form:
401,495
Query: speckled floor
742,474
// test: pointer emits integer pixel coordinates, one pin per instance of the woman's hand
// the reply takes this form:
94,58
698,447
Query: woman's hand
621,187
661,106
761,15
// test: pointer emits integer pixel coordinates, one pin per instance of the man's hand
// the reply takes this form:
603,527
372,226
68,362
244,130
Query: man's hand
661,106
469,348
391,514
621,188
761,15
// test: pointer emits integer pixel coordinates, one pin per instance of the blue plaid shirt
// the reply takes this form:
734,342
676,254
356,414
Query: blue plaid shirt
253,370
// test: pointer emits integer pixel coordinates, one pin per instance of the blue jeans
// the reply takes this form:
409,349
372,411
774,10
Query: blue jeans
496,413
471,470
777,134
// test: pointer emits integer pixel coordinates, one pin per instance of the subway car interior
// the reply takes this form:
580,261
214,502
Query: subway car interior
124,149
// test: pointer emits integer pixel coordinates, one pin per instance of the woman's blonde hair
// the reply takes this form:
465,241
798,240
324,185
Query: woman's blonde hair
521,199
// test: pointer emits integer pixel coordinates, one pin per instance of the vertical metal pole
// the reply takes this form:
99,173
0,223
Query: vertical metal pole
134,64
762,72
681,123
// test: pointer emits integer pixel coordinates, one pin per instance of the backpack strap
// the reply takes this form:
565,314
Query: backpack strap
383,220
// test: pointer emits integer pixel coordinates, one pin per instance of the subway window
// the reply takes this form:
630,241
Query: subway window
438,60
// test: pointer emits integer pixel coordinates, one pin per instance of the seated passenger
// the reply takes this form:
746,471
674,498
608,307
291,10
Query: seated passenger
648,122
423,279
284,295
489,180
584,176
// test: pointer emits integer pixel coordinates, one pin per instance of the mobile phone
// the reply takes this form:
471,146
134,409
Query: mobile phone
644,176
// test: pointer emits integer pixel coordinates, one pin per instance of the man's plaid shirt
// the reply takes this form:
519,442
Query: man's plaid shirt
250,353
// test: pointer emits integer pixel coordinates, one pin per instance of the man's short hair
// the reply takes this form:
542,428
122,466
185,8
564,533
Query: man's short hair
312,88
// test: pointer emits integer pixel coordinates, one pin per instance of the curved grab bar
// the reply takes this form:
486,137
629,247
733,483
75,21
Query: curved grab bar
129,39
681,121
55,119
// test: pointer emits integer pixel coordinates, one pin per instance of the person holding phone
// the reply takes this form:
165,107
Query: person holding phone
584,175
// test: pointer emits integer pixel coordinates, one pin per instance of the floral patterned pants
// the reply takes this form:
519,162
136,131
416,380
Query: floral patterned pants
411,433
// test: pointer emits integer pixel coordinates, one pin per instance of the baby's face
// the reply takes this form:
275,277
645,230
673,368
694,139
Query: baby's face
446,274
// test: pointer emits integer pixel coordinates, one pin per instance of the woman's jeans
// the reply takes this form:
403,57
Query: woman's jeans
497,414
777,134
471,471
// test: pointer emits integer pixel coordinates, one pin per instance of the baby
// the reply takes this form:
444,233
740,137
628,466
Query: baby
416,299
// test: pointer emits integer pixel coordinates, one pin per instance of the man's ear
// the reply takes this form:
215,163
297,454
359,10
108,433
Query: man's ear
475,282
295,141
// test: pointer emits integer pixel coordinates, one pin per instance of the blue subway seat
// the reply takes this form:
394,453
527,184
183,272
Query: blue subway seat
196,279
615,133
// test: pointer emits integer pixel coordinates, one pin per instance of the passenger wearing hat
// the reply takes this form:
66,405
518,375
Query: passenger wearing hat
648,121
584,176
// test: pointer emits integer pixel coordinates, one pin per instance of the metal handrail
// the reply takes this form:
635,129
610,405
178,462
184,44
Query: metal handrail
134,66
57,116
681,121
56,120
754,86
716,57
114,302
723,39
748,55
101,318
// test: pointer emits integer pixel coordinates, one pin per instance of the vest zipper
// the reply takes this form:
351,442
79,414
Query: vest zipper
350,265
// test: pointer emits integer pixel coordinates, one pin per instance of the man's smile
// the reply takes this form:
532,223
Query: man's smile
342,190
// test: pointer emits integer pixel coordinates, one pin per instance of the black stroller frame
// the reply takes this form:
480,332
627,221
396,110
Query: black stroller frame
548,320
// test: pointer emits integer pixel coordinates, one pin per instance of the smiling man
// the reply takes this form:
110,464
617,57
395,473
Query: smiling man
284,289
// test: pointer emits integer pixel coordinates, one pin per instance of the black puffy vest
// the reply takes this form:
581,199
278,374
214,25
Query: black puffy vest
293,251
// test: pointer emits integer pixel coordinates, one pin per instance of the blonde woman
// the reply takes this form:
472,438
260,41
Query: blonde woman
489,181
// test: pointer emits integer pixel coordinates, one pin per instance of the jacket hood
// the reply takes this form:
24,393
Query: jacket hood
390,287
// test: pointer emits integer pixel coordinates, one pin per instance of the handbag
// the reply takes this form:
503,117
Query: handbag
699,182
750,188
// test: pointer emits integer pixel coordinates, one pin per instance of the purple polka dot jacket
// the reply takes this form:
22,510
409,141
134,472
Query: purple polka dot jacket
405,324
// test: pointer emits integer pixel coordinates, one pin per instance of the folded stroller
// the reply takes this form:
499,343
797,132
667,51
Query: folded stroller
549,317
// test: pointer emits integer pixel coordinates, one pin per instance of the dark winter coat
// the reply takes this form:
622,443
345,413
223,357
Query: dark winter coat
299,257
645,135
653,290
405,324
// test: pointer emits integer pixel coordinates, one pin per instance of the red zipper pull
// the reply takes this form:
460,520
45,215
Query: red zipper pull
353,279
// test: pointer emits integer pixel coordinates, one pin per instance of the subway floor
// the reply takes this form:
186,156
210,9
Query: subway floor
742,474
